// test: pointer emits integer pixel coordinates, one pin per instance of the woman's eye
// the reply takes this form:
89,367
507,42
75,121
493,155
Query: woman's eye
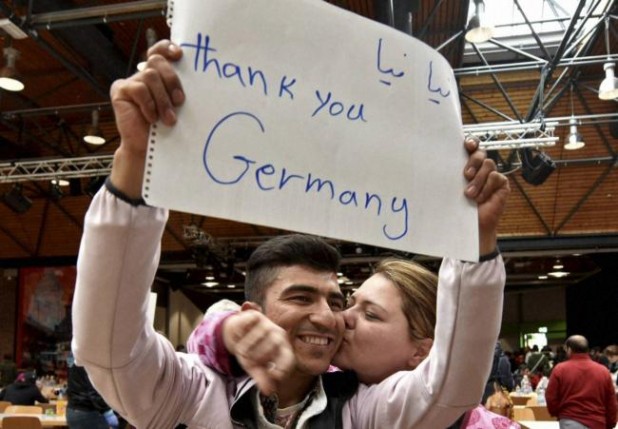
370,316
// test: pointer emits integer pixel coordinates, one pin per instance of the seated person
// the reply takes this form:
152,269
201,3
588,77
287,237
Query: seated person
23,391
500,402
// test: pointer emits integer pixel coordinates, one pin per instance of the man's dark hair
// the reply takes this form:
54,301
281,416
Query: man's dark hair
284,251
577,344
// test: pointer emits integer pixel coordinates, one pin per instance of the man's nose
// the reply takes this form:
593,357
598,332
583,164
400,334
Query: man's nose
323,315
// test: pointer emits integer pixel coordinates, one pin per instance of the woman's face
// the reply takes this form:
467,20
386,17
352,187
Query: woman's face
376,342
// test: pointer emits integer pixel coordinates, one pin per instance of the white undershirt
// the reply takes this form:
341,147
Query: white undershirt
317,405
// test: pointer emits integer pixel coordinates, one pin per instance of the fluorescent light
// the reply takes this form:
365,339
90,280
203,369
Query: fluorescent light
558,274
60,182
210,284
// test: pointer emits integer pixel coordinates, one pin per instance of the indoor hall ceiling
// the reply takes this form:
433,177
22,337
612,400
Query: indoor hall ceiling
74,49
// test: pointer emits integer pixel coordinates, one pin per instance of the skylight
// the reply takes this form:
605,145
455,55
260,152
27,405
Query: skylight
549,18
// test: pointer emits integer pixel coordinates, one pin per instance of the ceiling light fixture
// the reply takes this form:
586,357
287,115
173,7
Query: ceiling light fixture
210,284
151,39
55,190
9,79
608,90
558,274
94,135
558,265
60,182
16,200
478,31
574,139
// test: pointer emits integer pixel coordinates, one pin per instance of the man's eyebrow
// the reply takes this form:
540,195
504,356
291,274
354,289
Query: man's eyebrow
311,289
300,288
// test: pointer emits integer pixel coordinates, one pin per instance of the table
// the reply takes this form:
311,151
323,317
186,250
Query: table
46,420
532,424
523,399
531,412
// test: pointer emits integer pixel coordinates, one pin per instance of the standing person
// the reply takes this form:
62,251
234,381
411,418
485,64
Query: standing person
85,408
23,391
612,355
500,372
580,391
291,279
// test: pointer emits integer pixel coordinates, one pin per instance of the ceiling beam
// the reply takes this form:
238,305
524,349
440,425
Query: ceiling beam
135,9
558,245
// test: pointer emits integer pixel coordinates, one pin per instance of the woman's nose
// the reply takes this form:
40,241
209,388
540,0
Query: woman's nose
349,318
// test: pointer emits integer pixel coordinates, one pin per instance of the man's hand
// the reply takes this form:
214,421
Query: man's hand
490,190
261,348
139,101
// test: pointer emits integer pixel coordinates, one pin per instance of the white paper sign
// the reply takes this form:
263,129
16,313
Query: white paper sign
303,116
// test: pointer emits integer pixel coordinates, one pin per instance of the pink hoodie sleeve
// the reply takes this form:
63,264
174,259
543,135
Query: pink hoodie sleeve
206,341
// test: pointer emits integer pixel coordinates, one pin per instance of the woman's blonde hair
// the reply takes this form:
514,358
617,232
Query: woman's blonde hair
418,288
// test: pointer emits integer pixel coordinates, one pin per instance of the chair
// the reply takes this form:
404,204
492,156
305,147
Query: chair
23,409
541,413
46,407
3,405
21,422
520,400
522,413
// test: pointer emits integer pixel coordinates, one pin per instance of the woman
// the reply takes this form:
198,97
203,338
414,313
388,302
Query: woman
390,322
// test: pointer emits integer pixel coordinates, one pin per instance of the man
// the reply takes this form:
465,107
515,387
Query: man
141,377
580,391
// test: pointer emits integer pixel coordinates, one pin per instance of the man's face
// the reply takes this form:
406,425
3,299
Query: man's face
308,304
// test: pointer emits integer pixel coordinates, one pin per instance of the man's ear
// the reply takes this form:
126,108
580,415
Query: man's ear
421,352
250,305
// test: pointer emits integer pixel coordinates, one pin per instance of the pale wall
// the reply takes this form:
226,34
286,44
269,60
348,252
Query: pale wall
183,317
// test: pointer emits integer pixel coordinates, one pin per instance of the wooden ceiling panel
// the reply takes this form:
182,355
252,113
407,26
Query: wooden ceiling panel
64,226
21,231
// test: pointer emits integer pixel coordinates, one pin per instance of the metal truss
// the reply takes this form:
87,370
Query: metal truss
48,169
492,135
513,135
